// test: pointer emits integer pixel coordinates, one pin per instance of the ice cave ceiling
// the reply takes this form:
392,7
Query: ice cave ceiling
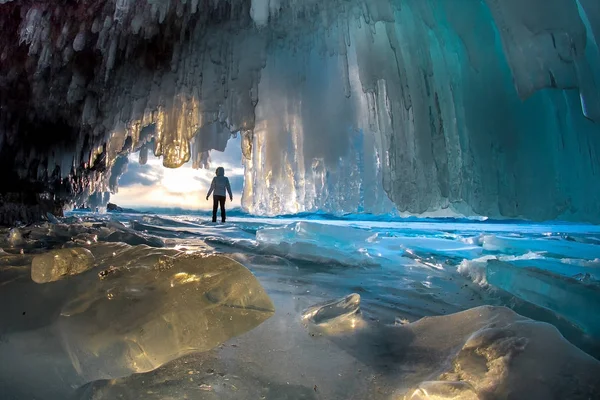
487,107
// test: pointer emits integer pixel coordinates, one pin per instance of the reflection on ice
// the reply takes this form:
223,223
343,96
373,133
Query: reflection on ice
15,238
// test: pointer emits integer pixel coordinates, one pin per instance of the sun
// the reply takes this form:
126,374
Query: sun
184,180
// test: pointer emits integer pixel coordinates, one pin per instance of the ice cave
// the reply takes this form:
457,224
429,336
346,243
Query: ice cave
417,189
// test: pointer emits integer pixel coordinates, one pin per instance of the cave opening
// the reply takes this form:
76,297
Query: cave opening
152,187
415,199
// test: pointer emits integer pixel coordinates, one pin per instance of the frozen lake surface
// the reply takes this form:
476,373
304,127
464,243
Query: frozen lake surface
129,306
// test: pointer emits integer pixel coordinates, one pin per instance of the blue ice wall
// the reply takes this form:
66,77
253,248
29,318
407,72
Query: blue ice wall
486,111
473,107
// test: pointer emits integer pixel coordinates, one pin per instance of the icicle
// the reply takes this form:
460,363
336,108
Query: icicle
588,89
162,10
343,55
79,42
121,10
247,138
110,61
63,37
433,78
259,11
136,24
29,27
96,25
143,155
194,6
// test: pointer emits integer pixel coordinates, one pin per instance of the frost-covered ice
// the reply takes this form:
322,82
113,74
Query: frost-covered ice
173,321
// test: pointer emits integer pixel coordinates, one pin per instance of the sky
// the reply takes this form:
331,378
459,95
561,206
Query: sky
152,185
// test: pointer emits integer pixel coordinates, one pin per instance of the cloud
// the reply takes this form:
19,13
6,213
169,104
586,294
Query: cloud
137,174
139,197
205,180
237,183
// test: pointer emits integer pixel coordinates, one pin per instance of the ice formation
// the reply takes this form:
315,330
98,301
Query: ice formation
483,352
489,107
554,247
566,296
334,316
495,351
58,264
138,321
140,308
353,246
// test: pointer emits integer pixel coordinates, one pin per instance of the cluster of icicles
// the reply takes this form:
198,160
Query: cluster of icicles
175,76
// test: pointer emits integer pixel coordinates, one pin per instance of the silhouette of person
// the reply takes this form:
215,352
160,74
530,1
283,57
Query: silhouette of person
219,185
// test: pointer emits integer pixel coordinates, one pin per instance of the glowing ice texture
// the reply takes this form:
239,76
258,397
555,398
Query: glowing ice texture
135,321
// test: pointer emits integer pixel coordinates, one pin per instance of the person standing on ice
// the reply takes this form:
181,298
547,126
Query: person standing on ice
219,184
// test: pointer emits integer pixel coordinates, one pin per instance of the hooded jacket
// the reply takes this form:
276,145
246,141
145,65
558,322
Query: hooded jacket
220,184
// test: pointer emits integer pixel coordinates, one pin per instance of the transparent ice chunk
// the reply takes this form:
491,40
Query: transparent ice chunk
334,316
141,318
61,263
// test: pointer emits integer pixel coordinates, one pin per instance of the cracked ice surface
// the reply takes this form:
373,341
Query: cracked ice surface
491,107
